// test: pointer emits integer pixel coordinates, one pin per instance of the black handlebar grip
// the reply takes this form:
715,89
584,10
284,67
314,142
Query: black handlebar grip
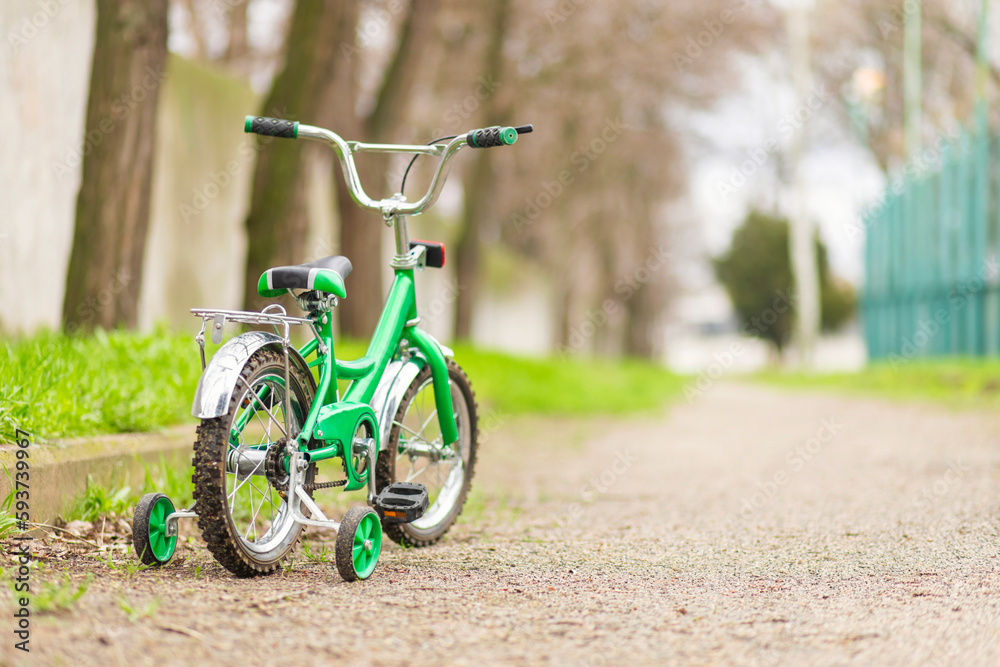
489,137
525,129
271,127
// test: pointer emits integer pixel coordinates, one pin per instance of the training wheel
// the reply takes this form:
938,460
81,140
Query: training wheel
149,529
359,543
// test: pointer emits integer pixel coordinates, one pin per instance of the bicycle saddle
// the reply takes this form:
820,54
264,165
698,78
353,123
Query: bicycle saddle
325,275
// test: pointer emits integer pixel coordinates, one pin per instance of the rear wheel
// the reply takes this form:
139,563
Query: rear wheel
415,452
245,522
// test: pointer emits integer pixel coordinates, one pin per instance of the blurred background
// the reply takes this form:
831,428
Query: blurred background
728,185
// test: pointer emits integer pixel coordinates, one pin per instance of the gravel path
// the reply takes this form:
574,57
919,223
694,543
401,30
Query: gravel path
751,527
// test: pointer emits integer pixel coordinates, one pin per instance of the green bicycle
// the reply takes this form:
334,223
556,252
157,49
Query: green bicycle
406,428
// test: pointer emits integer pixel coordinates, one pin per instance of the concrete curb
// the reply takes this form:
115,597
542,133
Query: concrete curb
58,473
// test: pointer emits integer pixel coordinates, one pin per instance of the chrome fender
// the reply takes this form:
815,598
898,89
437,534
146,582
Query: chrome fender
218,380
389,394
395,381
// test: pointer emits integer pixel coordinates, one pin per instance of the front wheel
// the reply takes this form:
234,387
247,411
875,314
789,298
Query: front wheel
415,452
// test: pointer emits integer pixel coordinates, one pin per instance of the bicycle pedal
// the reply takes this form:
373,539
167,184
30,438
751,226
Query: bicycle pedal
402,502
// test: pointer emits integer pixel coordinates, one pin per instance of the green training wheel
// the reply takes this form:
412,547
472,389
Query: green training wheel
149,529
359,543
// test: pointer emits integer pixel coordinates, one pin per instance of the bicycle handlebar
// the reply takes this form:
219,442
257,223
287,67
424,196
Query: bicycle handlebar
397,205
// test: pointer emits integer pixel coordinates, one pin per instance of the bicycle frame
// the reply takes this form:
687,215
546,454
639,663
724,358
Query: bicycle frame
333,420
331,417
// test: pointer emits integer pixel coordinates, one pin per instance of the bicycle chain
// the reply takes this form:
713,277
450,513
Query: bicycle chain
323,485
279,479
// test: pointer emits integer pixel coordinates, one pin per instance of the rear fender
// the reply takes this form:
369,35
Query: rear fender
218,380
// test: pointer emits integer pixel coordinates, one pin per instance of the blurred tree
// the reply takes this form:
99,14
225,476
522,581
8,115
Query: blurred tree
861,36
478,183
219,33
277,223
238,46
361,232
756,273
584,197
112,208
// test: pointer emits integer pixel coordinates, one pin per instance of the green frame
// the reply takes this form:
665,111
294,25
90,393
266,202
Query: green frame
334,420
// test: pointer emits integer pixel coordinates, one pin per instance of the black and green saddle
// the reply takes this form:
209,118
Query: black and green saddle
324,275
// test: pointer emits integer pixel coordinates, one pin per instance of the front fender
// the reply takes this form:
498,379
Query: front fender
389,394
215,388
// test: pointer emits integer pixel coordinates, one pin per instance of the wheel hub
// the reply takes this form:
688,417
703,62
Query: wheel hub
274,465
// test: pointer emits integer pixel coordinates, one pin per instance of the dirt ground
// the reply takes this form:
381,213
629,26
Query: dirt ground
749,527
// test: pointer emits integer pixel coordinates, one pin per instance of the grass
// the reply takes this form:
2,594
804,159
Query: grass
516,385
52,596
8,523
959,382
67,386
135,611
98,500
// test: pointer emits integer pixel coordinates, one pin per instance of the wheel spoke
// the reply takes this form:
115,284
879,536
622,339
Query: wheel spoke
261,403
407,428
413,475
424,425
245,480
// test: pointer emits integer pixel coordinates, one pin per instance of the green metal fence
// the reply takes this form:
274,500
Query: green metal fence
930,254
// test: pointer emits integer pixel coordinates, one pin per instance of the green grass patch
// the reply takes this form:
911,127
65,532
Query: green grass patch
518,385
56,385
59,386
958,382
120,499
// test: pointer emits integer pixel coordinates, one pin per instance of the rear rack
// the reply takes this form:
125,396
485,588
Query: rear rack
275,319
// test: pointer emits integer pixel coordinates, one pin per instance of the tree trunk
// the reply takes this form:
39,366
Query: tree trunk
478,186
277,225
112,208
238,45
361,231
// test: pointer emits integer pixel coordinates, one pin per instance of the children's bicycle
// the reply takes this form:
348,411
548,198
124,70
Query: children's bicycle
405,429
